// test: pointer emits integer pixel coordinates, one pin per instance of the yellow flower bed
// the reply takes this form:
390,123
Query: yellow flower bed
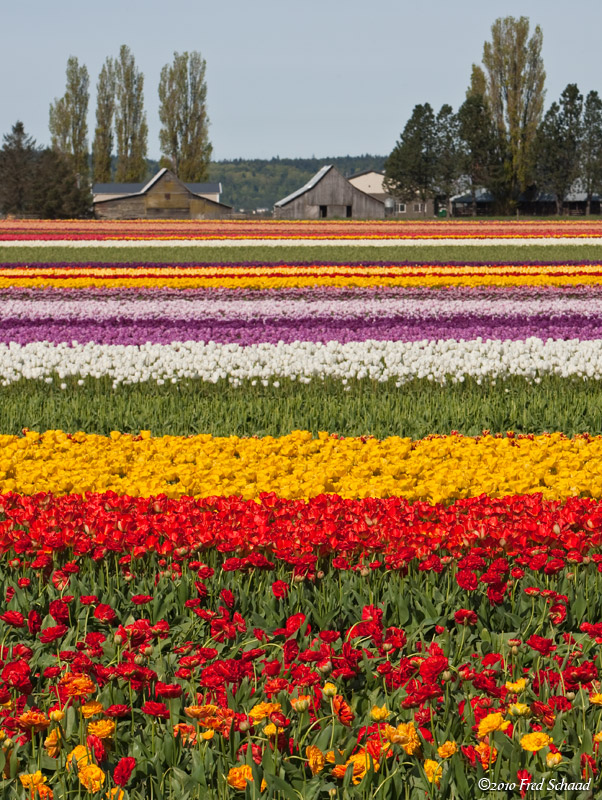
283,276
438,469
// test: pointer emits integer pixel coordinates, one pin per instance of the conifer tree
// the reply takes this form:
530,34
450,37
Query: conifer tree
591,148
17,167
558,145
448,154
480,154
410,170
55,193
41,183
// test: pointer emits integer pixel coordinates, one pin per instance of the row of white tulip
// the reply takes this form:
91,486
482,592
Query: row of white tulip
441,361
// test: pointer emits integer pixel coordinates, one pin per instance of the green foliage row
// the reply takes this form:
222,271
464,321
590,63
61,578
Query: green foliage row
337,253
417,602
415,410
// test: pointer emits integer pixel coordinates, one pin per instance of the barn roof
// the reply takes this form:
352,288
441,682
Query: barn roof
204,188
117,188
129,189
309,185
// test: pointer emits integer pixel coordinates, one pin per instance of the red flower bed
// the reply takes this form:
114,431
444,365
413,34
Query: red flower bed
351,530
220,642
295,229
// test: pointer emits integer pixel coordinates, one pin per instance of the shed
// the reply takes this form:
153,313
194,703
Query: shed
478,204
328,195
165,196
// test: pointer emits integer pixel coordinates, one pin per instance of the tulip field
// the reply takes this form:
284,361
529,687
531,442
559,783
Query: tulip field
300,510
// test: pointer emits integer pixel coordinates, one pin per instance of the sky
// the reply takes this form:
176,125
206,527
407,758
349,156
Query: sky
318,78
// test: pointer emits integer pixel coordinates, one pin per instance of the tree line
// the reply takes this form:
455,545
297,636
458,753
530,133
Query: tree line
56,181
121,119
500,139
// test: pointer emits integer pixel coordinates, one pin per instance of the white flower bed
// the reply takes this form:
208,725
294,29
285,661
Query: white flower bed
446,360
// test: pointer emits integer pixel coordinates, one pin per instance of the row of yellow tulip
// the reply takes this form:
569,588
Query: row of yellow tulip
436,469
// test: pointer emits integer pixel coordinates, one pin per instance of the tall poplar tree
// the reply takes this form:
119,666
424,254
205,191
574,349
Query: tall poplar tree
184,136
59,125
130,119
102,148
513,80
68,121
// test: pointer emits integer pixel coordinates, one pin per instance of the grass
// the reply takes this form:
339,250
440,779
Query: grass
416,410
340,253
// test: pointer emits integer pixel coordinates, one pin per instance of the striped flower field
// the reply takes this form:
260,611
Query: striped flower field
15,231
300,528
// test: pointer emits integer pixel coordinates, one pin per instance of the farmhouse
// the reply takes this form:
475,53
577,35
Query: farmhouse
371,182
164,197
328,195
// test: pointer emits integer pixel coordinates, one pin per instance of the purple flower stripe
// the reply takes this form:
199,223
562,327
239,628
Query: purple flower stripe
315,330
125,310
427,293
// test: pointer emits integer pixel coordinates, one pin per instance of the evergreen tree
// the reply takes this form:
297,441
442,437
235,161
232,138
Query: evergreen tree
184,136
41,183
411,168
512,82
102,148
448,154
480,146
55,193
558,145
17,166
130,119
68,117
591,147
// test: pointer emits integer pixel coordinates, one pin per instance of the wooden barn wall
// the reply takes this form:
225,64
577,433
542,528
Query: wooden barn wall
336,193
168,198
121,208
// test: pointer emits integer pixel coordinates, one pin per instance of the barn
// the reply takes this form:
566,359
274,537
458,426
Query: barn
164,197
328,195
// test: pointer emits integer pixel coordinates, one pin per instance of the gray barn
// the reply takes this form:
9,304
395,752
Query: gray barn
163,197
328,195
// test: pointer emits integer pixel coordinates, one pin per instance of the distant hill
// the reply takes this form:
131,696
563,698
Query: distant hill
251,184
